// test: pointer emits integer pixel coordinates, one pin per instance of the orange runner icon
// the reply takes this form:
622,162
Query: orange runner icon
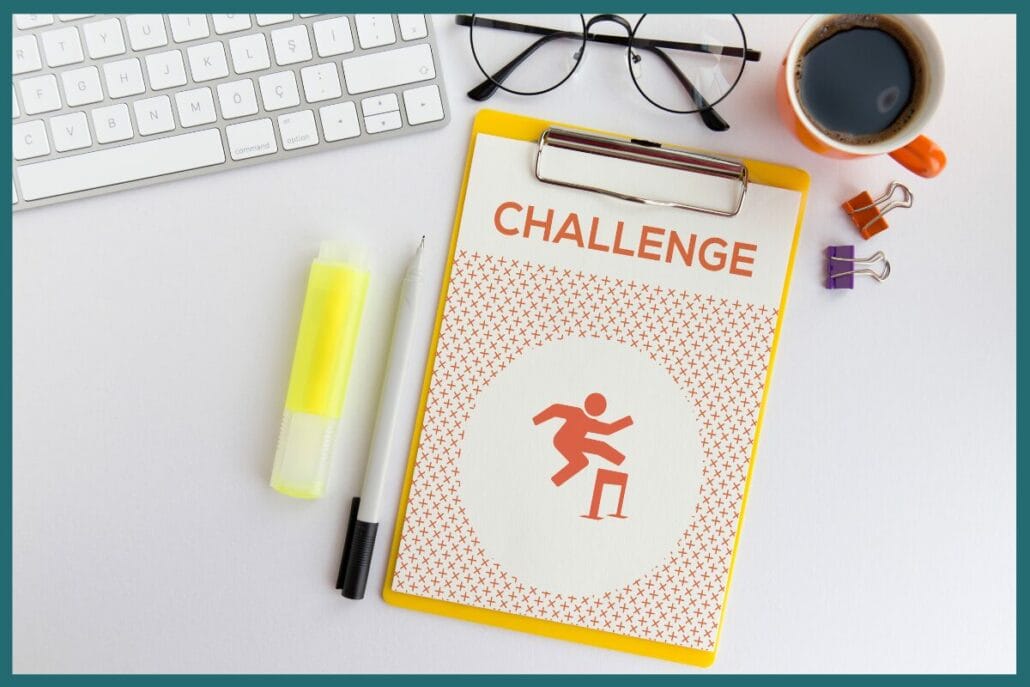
572,442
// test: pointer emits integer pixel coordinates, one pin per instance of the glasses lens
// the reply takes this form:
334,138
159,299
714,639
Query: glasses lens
687,63
527,53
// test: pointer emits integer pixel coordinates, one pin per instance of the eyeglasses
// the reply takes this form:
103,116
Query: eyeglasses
680,63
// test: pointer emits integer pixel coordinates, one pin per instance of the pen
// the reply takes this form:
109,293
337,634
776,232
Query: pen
365,509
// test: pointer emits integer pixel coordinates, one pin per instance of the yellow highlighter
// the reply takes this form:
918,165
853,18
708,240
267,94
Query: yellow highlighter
321,366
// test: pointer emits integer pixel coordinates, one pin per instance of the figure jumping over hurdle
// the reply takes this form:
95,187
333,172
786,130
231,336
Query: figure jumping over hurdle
572,442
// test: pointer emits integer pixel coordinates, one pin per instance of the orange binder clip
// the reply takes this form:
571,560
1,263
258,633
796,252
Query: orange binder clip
867,214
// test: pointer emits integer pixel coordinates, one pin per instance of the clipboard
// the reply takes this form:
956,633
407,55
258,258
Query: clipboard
550,137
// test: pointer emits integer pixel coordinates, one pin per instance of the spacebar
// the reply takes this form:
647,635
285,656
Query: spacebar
119,165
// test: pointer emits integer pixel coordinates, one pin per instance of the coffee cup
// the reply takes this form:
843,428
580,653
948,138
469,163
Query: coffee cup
852,86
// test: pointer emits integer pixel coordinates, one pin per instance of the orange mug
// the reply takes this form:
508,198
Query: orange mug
916,152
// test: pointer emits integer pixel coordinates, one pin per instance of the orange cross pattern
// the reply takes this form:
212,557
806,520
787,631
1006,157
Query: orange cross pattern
715,349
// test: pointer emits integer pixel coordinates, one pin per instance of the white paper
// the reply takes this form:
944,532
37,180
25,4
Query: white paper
591,416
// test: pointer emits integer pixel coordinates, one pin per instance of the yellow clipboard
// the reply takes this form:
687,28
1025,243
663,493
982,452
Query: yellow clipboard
528,129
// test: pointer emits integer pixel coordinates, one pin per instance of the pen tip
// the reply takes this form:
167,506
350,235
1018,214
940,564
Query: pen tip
423,241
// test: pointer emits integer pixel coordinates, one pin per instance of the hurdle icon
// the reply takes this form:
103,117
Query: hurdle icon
572,443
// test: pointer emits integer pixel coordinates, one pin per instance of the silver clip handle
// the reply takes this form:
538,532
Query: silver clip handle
652,154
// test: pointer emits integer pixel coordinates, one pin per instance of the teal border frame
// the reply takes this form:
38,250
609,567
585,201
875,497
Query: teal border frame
740,6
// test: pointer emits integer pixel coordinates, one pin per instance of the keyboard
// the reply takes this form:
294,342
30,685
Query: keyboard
108,102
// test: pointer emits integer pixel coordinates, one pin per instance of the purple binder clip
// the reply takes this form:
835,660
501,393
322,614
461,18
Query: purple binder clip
841,262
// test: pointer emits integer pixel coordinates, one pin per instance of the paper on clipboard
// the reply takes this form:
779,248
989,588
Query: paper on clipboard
501,173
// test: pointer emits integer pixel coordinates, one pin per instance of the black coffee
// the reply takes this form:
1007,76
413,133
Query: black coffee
860,78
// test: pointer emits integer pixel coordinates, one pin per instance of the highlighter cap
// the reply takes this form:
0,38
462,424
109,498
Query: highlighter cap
303,455
321,367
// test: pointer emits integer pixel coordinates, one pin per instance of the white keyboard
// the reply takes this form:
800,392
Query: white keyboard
107,102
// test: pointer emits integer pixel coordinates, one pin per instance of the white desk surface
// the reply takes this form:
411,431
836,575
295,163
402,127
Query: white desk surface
153,331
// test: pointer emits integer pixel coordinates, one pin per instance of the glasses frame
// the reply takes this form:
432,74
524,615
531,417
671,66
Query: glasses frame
632,42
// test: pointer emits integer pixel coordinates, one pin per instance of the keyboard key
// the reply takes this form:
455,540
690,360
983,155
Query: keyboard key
32,21
112,123
14,102
297,129
39,94
237,99
166,70
72,17
374,30
339,121
230,23
123,78
62,46
82,86
279,91
291,45
119,165
29,140
249,53
188,27
207,62
378,104
146,31
387,121
388,68
269,19
423,105
70,132
154,115
413,26
104,38
195,107
251,139
321,82
332,37
25,55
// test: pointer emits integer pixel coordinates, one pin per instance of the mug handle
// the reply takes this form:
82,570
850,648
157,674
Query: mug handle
922,156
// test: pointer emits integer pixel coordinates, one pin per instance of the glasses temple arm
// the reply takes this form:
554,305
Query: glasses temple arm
504,25
708,114
489,86
749,55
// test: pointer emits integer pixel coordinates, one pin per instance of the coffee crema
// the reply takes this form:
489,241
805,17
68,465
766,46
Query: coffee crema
860,78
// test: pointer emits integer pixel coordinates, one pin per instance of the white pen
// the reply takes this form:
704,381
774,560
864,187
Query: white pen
366,509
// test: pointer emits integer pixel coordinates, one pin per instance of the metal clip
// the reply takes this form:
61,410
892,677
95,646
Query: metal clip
643,152
867,214
840,258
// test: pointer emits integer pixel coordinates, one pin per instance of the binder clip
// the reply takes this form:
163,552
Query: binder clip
841,263
867,214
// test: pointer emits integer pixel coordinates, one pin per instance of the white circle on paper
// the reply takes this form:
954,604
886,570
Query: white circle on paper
535,529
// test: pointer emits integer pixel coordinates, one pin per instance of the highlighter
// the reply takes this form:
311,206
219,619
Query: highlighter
328,333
